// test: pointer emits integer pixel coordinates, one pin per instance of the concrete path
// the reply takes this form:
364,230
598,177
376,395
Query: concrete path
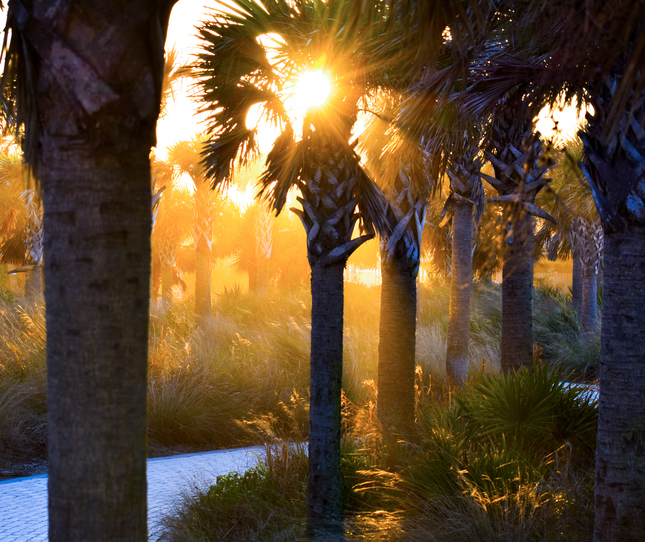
23,501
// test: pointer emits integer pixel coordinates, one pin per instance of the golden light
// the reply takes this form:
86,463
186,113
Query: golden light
311,90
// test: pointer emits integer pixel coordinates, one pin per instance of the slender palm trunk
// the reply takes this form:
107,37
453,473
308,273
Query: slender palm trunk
263,247
576,285
324,506
167,272
589,318
517,295
620,456
203,234
460,289
397,345
34,284
97,269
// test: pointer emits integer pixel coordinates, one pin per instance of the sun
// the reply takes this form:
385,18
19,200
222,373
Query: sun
311,90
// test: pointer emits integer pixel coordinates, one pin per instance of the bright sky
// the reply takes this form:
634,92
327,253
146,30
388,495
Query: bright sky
181,122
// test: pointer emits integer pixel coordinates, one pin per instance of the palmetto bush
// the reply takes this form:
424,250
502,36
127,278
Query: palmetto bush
505,459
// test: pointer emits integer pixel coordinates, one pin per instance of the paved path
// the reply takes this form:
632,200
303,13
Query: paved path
23,501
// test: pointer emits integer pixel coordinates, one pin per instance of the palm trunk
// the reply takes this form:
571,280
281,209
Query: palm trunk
97,242
167,275
203,241
576,285
34,284
517,295
397,344
324,506
263,247
90,106
620,456
589,319
460,288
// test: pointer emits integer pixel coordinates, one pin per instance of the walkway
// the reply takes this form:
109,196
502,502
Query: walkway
23,501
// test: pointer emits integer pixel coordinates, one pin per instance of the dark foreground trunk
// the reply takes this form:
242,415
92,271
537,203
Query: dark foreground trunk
517,296
620,455
397,340
89,77
460,287
324,502
97,242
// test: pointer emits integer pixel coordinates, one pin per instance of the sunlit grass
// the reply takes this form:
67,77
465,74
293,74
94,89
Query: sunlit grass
232,379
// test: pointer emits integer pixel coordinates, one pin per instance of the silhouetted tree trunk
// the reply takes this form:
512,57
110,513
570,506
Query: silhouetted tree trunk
615,170
620,458
517,294
324,506
460,288
94,85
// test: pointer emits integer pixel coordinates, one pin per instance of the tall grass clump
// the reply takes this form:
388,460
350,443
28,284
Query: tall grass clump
556,330
23,404
266,503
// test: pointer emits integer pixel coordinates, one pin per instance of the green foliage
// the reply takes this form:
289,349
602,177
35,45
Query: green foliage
263,504
505,459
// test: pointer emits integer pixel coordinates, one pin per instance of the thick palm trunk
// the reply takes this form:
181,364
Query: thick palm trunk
615,171
324,507
89,76
460,289
400,260
397,345
517,295
97,241
620,456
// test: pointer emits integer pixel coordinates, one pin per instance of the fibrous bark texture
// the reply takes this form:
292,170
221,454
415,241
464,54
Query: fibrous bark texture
400,259
620,456
397,342
460,288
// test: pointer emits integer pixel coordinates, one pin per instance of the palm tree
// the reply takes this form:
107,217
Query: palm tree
185,157
578,233
400,166
515,151
86,77
466,203
235,72
614,166
172,220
